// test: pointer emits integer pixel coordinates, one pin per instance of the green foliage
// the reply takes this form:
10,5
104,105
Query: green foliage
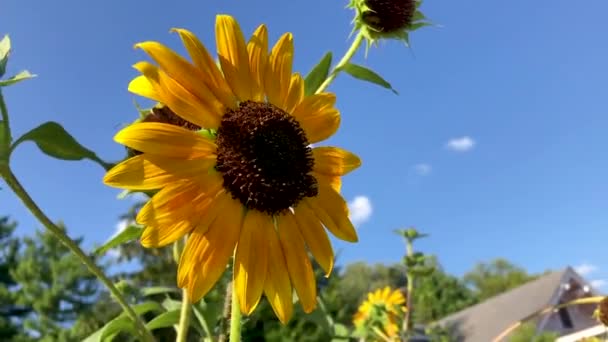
365,74
55,141
317,75
439,295
528,333
130,233
5,49
498,276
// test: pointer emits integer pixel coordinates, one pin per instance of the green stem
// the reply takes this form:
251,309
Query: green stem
18,189
410,290
6,141
235,318
186,310
345,59
184,318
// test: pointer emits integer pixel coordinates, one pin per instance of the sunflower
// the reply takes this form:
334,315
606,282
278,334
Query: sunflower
383,309
238,175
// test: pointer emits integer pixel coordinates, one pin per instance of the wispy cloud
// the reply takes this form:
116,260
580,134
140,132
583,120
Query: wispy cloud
122,225
360,210
598,283
461,144
423,169
585,269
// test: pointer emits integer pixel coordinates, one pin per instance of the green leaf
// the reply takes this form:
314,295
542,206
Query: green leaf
22,76
416,26
116,326
128,234
5,49
340,333
171,304
154,290
55,141
164,320
317,75
365,74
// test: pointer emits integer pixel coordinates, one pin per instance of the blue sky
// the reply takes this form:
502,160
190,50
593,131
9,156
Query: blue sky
521,83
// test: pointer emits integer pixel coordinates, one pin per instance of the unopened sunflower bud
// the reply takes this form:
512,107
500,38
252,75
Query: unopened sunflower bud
387,19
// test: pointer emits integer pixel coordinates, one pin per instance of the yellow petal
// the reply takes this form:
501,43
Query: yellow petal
334,181
181,201
147,84
201,58
295,94
146,172
187,75
298,263
142,86
201,112
165,140
315,237
318,117
257,49
207,254
232,53
278,72
332,210
334,161
251,259
277,286
219,202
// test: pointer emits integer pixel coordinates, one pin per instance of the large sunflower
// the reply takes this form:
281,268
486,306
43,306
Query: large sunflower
383,309
239,176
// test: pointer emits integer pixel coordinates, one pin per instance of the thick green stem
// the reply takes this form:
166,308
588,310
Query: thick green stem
407,321
186,310
18,189
184,318
345,59
6,132
235,318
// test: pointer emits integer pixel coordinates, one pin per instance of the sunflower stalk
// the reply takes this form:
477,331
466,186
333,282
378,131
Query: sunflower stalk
411,278
18,189
235,318
5,135
186,310
345,59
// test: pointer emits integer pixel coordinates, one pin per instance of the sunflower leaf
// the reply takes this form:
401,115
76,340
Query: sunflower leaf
22,76
130,233
5,49
317,75
55,141
154,290
365,74
164,320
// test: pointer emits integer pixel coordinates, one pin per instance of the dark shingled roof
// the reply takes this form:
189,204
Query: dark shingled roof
485,321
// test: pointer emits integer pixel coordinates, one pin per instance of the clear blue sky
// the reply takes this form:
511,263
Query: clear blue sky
525,80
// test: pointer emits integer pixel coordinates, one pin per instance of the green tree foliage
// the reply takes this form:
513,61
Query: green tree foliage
490,279
10,312
439,295
44,291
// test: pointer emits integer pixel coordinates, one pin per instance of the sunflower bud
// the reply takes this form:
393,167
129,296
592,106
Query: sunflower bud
387,19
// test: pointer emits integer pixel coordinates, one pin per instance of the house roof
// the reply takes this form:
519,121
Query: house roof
485,321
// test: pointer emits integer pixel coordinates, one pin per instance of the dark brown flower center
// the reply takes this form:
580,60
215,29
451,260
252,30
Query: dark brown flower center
164,115
388,16
264,158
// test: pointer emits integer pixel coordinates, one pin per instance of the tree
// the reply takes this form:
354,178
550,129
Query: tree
10,312
528,333
438,295
490,279
55,285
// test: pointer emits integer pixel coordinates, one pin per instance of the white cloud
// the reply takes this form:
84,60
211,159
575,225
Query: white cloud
113,253
423,169
585,269
360,210
598,283
122,225
461,144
